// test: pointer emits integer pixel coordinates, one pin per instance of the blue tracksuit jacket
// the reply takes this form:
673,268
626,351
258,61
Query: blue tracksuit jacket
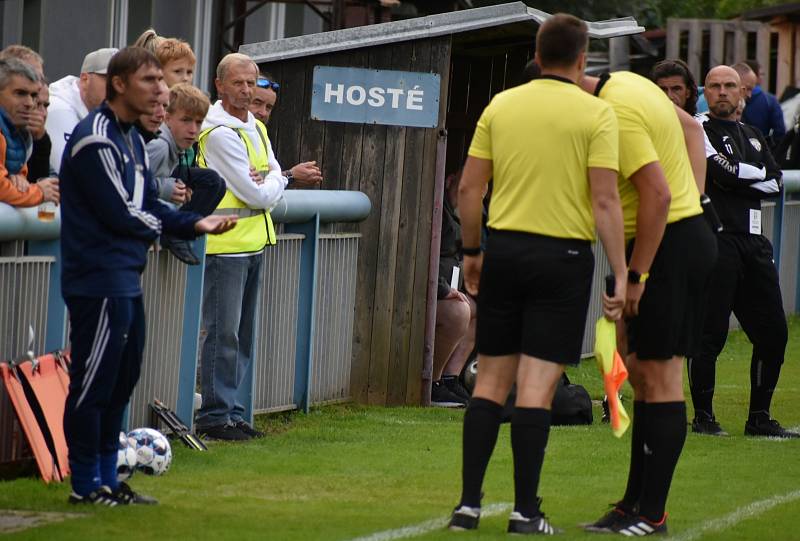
110,213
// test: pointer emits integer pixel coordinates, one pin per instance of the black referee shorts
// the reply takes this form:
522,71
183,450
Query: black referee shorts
534,295
672,308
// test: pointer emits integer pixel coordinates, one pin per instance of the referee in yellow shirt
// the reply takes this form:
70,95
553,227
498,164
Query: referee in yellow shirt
671,251
552,151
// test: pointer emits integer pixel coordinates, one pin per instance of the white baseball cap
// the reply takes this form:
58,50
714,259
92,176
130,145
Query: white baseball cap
97,61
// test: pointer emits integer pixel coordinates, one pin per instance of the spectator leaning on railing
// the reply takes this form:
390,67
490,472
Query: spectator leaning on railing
265,94
196,189
39,159
19,87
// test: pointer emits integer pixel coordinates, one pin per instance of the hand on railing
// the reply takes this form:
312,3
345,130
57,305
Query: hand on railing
49,187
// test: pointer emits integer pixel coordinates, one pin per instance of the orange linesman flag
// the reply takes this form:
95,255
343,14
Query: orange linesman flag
614,373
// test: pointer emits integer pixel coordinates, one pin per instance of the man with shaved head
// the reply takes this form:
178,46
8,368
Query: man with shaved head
741,173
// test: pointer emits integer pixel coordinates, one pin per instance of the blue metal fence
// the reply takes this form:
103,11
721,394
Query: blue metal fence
173,295
302,356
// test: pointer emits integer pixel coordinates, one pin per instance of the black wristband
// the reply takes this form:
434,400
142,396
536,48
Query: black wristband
471,251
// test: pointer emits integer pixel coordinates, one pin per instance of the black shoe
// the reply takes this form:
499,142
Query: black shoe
182,249
635,526
455,387
101,496
443,397
536,525
225,432
126,496
465,518
765,426
708,426
605,524
606,411
249,430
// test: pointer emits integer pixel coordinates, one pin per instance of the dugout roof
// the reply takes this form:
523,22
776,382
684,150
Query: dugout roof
521,18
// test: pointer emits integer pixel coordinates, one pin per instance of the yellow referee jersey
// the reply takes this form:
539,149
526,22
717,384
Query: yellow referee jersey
541,138
649,131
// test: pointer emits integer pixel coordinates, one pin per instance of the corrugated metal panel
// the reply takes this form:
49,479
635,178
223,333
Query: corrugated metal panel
333,340
789,255
24,283
601,269
273,377
14,248
163,284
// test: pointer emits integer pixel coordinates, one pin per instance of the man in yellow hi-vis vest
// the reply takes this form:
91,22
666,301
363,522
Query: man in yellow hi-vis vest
234,144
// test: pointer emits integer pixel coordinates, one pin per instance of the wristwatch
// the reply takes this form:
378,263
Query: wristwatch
289,176
636,277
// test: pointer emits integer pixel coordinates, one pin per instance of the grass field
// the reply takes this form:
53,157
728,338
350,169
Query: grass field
346,472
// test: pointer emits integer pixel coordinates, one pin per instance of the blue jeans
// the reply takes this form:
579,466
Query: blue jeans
231,291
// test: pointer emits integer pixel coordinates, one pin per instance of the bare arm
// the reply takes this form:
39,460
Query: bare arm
608,219
651,220
694,135
476,175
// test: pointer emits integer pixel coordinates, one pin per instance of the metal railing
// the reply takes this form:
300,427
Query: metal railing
307,277
303,352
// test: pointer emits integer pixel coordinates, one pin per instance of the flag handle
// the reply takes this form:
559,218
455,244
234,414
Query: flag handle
611,285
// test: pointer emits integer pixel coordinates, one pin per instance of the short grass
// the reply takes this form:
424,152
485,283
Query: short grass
349,471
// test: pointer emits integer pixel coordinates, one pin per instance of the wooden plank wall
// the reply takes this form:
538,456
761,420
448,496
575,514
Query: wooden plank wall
394,166
475,77
705,43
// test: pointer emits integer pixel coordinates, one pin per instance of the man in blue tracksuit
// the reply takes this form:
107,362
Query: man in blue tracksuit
110,216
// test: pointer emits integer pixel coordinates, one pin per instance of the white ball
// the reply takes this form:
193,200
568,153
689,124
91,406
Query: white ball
126,458
153,452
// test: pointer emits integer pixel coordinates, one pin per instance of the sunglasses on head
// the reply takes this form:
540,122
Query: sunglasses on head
266,83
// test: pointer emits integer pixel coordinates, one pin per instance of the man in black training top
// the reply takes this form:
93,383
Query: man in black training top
741,173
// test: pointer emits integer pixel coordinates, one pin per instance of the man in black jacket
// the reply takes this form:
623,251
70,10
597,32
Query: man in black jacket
741,173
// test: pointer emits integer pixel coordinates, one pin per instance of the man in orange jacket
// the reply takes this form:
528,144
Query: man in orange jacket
19,88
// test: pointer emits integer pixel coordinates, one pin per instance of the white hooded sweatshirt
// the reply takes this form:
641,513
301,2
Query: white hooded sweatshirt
65,111
226,154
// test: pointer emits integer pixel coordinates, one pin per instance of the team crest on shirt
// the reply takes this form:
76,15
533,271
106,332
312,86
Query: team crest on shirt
756,144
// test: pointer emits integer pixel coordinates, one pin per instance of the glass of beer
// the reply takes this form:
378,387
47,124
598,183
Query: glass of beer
47,211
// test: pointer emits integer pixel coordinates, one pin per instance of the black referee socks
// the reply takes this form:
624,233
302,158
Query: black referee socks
636,473
530,428
664,438
481,425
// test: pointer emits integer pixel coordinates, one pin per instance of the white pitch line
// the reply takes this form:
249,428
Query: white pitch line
737,516
429,525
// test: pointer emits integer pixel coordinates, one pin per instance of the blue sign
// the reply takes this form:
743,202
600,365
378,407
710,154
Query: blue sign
365,96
